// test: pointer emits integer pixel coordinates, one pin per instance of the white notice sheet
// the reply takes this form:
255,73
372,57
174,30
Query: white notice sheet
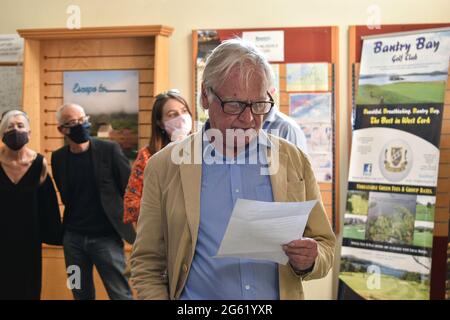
258,229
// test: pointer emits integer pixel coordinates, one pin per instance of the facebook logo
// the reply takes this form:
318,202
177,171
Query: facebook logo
367,169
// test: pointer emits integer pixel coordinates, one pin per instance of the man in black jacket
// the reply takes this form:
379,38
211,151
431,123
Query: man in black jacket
91,176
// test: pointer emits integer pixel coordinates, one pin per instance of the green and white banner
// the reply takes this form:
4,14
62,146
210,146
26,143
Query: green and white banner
389,217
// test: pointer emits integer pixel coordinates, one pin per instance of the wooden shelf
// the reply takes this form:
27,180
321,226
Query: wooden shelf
95,32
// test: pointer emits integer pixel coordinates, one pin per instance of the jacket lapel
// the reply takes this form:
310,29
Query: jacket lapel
63,172
191,176
278,170
287,287
95,158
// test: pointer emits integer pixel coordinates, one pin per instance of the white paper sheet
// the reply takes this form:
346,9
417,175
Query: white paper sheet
257,229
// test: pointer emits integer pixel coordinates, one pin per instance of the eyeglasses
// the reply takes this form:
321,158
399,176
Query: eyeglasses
75,122
237,107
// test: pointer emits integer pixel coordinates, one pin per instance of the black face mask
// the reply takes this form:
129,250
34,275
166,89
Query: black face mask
80,133
15,140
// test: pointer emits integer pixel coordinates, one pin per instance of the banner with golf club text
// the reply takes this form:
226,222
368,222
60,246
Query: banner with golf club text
391,198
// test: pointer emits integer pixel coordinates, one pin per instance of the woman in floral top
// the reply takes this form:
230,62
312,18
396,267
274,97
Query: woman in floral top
171,121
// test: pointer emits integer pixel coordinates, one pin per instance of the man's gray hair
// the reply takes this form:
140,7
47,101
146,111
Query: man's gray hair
64,106
11,114
237,54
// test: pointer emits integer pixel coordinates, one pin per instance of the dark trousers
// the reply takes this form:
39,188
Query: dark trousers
82,253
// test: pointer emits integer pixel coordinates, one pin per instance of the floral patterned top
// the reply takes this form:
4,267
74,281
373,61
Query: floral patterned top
133,192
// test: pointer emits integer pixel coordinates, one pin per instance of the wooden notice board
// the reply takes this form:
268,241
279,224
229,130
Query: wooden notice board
301,45
442,214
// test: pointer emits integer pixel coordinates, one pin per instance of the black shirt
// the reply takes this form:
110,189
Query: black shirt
84,213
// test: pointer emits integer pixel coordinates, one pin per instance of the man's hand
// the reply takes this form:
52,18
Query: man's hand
302,253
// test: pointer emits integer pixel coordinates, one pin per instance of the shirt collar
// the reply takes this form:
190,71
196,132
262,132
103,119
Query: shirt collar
262,141
271,115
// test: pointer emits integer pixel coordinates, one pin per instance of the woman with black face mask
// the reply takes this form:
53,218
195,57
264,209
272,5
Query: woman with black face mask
29,210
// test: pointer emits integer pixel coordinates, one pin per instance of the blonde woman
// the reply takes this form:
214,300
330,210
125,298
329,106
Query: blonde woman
29,210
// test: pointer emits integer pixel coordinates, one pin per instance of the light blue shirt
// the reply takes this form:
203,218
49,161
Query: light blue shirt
228,278
287,128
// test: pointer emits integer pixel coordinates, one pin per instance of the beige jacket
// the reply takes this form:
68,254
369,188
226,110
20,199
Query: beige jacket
170,212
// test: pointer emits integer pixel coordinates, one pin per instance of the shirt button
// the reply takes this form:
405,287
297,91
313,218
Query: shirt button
185,268
247,287
237,190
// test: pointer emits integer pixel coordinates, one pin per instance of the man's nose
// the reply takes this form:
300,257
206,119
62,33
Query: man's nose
246,115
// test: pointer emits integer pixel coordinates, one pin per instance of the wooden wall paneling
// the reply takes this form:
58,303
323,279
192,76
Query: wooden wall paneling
283,94
31,89
443,183
146,103
146,76
52,89
194,76
145,117
441,229
96,32
100,63
63,49
49,114
351,84
302,44
161,66
56,77
145,89
50,130
146,130
54,265
51,139
336,128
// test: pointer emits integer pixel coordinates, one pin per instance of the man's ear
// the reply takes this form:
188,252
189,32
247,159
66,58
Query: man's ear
60,129
205,102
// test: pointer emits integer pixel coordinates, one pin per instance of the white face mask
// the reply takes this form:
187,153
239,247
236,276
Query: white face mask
178,127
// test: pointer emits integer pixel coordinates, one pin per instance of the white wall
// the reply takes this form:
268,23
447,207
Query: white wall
186,15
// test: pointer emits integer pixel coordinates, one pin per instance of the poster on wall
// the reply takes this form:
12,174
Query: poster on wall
312,112
10,88
11,48
207,41
271,43
111,99
391,198
307,77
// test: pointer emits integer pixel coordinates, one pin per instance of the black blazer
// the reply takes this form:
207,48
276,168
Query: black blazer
111,170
